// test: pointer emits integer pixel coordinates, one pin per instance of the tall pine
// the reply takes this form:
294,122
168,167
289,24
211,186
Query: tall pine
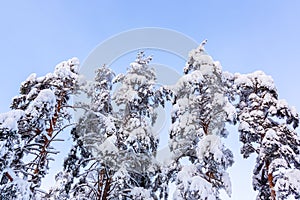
38,115
200,110
267,128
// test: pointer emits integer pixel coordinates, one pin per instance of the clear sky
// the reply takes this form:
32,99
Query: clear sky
243,35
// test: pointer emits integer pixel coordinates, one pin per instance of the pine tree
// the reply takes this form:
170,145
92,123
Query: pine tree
137,101
115,146
89,158
38,115
267,128
200,111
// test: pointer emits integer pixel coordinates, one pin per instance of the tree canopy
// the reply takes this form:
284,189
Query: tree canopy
114,145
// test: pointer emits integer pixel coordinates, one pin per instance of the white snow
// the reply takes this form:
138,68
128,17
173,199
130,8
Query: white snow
199,57
74,64
108,146
294,111
253,96
257,113
186,82
207,70
266,81
67,69
270,136
268,98
276,164
110,126
227,183
140,193
293,176
31,78
282,104
241,79
219,99
46,98
9,120
290,182
185,175
230,111
244,126
248,80
189,182
21,188
210,144
201,187
273,110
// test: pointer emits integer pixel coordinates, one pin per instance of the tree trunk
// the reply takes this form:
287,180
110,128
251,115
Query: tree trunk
50,130
270,181
106,189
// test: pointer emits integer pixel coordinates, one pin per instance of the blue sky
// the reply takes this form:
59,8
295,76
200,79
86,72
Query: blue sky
243,35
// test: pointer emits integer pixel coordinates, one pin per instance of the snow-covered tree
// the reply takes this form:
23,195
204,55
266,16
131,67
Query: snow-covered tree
86,167
137,101
38,115
200,110
115,145
136,139
267,128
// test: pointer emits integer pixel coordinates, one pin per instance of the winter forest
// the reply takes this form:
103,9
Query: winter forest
114,148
